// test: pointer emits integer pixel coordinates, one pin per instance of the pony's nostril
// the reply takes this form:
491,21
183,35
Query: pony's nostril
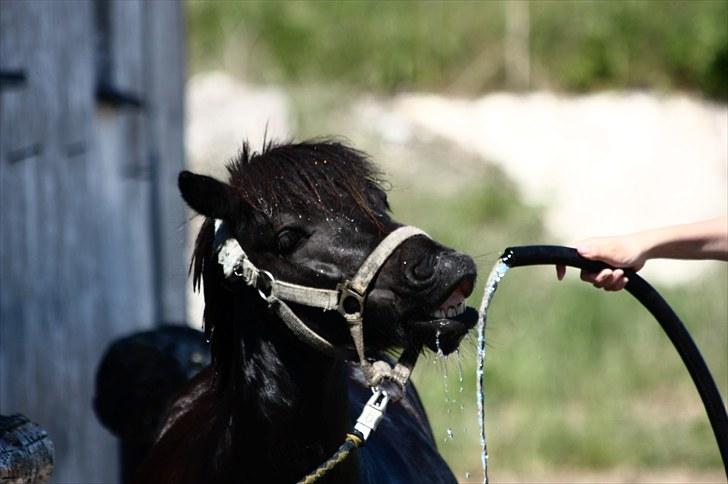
466,286
424,270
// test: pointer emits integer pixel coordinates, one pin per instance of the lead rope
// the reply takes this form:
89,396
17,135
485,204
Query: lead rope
351,443
371,415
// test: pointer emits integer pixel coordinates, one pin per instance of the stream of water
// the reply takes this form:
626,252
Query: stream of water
496,274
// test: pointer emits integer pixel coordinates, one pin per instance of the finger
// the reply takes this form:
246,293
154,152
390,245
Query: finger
602,278
595,277
617,286
621,284
560,272
587,276
611,282
585,250
589,248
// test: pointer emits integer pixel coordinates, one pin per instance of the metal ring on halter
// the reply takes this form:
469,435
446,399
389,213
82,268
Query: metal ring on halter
351,303
238,270
264,283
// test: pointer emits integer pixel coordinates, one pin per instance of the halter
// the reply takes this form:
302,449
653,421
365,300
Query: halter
349,299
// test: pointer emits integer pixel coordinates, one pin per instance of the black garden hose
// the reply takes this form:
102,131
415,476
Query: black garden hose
655,304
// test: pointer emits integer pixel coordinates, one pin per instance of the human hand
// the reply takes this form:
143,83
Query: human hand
619,252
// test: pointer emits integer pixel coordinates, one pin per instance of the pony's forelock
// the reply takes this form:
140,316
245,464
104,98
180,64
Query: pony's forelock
322,174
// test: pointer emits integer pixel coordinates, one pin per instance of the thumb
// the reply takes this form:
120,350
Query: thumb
603,249
585,249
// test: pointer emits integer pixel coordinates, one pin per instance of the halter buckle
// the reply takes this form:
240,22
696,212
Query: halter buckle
351,303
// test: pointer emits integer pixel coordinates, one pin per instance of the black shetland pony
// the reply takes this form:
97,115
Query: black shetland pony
269,408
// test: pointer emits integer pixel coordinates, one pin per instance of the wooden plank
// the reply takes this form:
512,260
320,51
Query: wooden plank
127,49
20,50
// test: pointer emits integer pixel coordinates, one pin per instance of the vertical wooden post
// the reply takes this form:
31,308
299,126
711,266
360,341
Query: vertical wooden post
517,50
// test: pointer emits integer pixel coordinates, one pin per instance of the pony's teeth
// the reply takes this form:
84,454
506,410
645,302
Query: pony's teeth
438,313
450,312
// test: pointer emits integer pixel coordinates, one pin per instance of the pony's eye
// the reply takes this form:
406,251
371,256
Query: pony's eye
288,240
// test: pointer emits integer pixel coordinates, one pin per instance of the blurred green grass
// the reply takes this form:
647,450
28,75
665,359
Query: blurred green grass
459,46
575,377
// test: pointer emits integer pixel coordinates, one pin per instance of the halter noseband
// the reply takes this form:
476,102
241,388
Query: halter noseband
348,299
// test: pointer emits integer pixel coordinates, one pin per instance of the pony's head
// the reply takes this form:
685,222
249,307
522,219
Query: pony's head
310,214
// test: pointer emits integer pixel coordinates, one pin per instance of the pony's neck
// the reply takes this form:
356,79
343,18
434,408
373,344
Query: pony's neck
295,405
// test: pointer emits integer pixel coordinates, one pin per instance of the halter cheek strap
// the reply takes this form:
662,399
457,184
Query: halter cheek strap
236,265
349,299
353,298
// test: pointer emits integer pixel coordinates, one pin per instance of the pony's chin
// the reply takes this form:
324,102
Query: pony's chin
443,335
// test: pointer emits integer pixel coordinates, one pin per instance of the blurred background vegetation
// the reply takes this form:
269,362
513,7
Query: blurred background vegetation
462,47
577,379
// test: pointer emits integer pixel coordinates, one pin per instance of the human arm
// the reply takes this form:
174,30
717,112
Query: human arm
701,240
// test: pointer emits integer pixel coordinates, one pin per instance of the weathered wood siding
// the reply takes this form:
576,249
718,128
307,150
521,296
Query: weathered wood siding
91,239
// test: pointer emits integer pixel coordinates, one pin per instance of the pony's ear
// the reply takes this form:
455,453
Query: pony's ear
207,196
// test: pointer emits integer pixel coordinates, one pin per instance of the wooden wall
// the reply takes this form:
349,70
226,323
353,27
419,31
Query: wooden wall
91,225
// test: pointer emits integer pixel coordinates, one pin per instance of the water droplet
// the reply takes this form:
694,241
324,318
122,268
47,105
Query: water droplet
440,354
460,369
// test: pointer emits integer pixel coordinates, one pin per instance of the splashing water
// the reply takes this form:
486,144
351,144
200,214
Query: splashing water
496,274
